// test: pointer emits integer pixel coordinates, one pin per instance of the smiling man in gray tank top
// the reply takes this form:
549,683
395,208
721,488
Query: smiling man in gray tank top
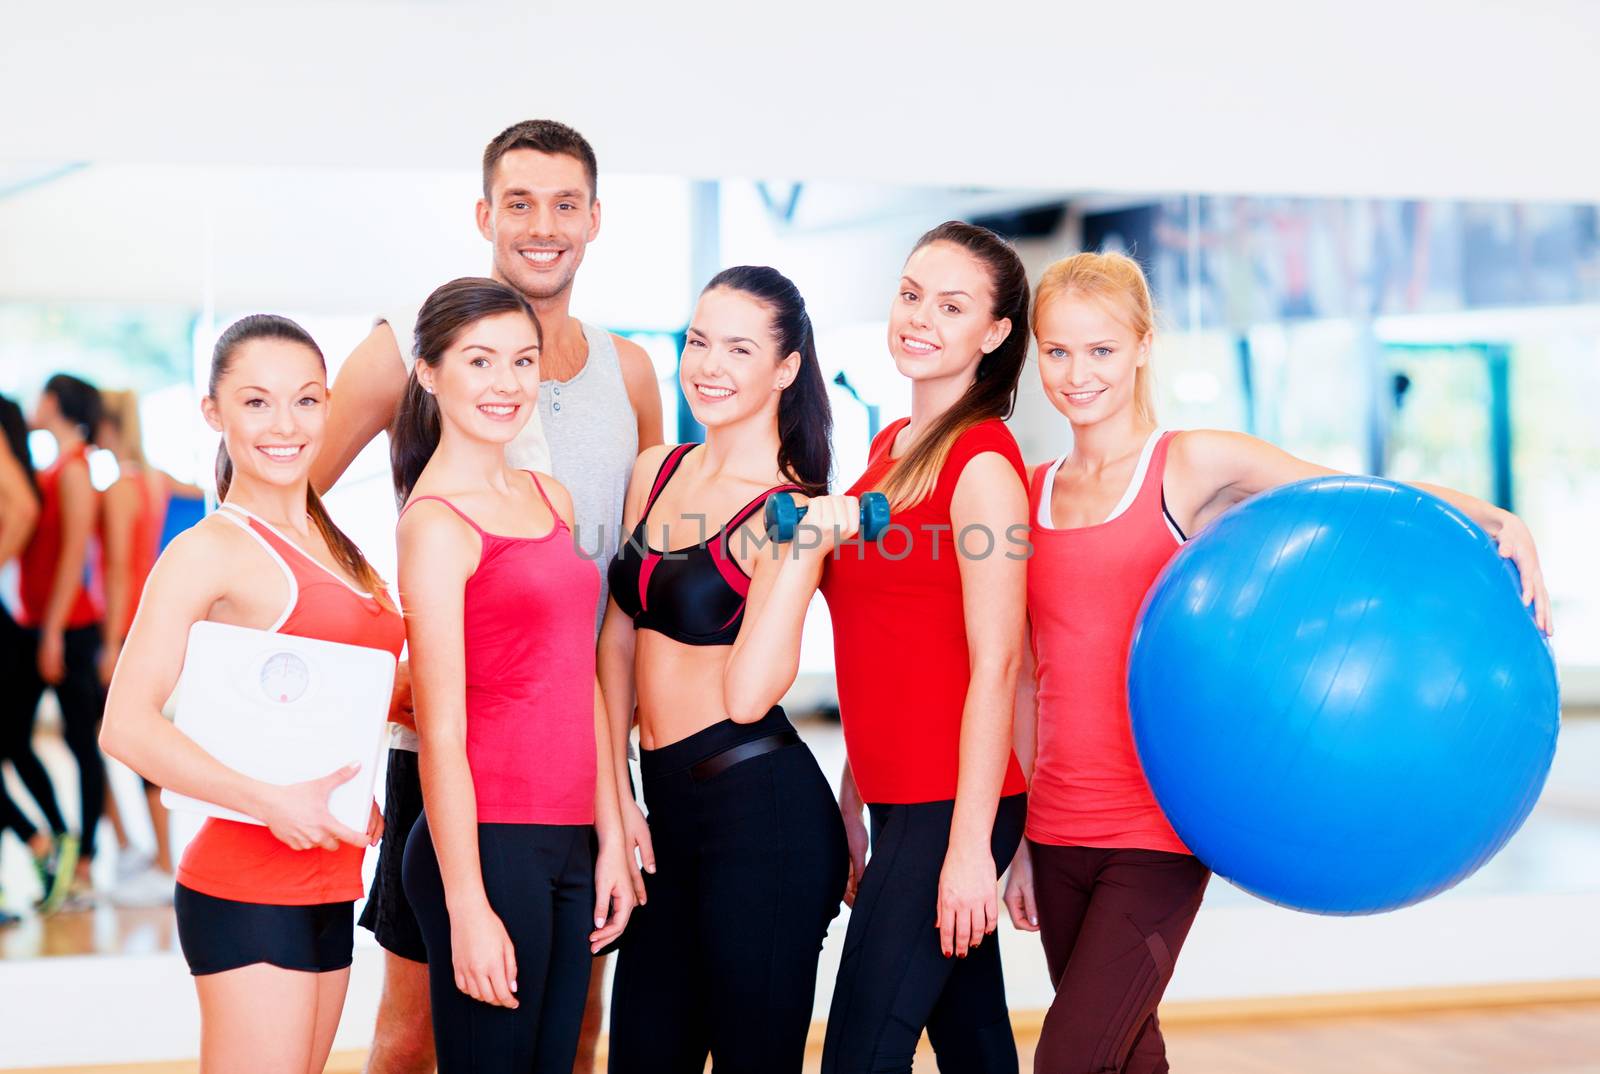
599,406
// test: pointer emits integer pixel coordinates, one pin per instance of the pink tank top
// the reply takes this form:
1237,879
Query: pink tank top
529,636
1085,588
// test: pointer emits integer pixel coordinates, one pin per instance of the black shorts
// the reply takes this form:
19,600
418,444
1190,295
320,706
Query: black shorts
388,912
222,934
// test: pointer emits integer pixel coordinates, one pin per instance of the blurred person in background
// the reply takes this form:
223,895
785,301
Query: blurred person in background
133,511
61,635
19,512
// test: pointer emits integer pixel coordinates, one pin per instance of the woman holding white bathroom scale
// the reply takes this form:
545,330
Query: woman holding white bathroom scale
286,642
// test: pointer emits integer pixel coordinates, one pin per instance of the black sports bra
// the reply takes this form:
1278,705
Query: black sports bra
692,595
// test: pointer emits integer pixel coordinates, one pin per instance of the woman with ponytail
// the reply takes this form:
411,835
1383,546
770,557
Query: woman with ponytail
515,871
61,637
746,860
927,625
265,913
1102,876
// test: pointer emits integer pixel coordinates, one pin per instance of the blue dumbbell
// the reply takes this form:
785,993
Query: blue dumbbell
783,515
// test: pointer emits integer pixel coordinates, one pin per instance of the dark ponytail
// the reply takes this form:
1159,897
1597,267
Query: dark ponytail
805,420
271,326
451,308
993,391
79,402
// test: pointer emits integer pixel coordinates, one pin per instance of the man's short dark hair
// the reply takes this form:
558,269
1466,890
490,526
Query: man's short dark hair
544,136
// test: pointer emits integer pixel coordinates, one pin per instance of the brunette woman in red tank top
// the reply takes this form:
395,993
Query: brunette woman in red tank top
62,621
516,869
927,639
265,914
19,511
1101,873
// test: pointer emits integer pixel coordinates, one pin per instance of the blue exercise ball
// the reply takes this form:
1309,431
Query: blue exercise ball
1338,697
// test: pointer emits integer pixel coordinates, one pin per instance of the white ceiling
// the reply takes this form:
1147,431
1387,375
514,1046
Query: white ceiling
1475,98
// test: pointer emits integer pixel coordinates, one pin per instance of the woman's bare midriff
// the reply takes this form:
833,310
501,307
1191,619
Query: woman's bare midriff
678,686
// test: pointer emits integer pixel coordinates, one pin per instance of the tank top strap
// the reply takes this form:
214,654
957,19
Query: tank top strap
539,485
275,540
1151,502
669,466
459,512
741,516
1036,486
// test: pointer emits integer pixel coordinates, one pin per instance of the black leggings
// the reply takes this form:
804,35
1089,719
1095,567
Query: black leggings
82,704
1112,922
893,978
751,865
540,882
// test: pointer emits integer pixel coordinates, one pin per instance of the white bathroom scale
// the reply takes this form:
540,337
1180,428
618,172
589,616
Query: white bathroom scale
285,709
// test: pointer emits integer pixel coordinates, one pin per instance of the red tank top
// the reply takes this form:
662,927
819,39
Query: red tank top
1085,588
246,862
43,553
900,636
144,542
529,637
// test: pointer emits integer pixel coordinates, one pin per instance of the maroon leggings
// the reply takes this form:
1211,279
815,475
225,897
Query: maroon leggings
1112,922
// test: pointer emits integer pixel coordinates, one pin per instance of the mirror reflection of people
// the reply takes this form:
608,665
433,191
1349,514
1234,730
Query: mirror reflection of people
19,512
266,913
133,511
62,622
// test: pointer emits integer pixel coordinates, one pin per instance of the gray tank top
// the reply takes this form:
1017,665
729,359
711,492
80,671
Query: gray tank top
594,439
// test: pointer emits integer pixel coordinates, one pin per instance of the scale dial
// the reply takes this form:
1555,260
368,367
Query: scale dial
284,678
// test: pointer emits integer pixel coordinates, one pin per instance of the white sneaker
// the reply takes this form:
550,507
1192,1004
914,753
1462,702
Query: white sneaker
132,862
153,887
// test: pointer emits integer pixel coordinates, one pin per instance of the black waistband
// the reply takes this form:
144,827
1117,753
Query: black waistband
719,738
719,763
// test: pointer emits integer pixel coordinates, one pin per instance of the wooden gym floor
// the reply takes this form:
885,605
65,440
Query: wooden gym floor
1544,1038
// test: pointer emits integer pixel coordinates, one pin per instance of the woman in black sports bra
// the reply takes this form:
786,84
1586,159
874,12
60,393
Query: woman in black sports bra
749,858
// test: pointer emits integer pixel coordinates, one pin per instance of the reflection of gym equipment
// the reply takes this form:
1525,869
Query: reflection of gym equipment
783,515
872,408
1450,400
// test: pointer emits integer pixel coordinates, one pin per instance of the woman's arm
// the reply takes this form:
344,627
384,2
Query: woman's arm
19,506
994,590
438,553
613,886
77,523
361,403
614,892
183,490
189,578
614,666
766,655
120,506
1018,896
1215,470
